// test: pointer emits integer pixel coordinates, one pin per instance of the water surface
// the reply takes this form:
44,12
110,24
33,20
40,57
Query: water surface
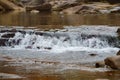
53,46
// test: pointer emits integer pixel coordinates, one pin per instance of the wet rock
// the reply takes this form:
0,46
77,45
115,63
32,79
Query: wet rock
100,64
87,9
28,47
81,9
3,42
115,10
1,8
35,11
48,48
113,1
113,62
9,35
8,5
118,53
92,54
60,5
38,47
43,7
118,30
36,2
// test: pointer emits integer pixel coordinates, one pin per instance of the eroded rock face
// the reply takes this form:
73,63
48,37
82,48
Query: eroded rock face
113,62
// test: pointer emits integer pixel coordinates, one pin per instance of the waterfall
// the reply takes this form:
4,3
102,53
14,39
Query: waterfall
95,37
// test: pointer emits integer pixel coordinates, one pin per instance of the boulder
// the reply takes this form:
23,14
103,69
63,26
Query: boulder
100,64
113,62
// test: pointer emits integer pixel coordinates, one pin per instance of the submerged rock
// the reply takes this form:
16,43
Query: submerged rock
113,62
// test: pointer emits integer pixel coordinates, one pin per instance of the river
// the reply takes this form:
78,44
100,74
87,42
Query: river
56,46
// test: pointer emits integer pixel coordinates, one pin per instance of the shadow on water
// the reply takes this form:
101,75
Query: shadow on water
35,19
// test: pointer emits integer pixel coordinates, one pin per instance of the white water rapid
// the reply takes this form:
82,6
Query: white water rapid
72,44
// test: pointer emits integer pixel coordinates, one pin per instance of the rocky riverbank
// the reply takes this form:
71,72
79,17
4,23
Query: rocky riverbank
62,6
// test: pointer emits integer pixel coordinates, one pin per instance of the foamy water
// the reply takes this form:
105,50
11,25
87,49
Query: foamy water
69,45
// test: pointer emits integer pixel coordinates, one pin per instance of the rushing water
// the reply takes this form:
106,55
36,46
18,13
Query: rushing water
54,50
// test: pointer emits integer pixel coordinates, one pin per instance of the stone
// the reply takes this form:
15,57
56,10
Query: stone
36,2
44,7
115,10
118,53
113,62
113,1
80,9
61,5
100,64
8,35
3,42
1,8
34,11
8,5
93,54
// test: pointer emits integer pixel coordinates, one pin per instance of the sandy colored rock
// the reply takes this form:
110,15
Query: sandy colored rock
80,9
61,5
113,62
8,5
100,64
